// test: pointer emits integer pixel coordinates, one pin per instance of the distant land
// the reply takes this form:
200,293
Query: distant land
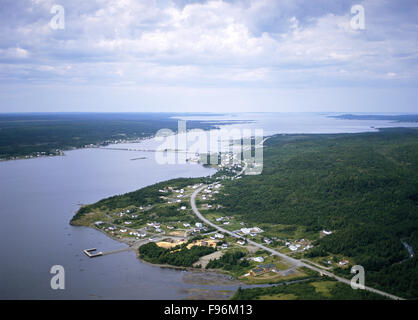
26,135
396,118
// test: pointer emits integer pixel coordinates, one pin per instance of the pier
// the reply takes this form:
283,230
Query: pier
90,254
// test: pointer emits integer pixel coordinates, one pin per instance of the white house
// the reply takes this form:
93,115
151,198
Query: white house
258,259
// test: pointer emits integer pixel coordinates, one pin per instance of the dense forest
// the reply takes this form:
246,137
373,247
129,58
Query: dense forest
364,187
29,134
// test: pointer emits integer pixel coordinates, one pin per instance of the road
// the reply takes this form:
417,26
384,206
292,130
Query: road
293,261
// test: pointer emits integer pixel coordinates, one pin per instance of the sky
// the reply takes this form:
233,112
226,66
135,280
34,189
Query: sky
208,56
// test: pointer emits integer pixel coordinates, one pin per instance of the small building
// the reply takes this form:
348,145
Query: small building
267,240
343,262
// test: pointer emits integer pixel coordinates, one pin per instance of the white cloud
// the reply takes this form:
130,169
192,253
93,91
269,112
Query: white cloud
210,43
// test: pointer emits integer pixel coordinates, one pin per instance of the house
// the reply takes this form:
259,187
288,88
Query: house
245,230
224,246
343,262
98,223
219,236
183,208
241,242
186,224
199,225
326,232
226,223
293,248
267,240
258,259
254,230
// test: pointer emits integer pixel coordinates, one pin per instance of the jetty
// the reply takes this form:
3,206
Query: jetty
90,254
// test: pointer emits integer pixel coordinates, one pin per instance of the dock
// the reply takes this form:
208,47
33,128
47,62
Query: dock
90,252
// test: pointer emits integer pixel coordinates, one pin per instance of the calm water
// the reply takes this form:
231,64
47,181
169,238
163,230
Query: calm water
38,197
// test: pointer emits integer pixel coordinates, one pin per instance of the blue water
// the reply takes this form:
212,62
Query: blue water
39,196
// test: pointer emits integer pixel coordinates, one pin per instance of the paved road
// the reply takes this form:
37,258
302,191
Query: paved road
293,261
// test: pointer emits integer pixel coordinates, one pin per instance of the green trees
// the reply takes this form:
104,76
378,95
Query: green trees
177,256
364,187
230,261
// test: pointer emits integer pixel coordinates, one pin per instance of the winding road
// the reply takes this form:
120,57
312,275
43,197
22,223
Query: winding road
295,262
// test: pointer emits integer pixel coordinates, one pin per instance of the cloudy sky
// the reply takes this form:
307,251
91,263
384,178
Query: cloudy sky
208,56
